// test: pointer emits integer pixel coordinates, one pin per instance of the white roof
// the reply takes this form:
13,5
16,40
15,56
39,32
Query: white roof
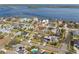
76,32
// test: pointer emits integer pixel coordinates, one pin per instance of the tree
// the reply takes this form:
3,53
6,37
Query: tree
15,41
62,36
8,47
1,36
2,52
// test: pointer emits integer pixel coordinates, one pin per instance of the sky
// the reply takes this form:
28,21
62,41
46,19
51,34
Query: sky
39,1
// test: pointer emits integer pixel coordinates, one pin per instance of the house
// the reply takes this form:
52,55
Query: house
24,33
46,21
76,46
29,19
15,26
35,19
18,33
35,51
23,19
21,25
56,31
19,48
44,51
76,32
61,23
51,38
46,39
5,30
76,43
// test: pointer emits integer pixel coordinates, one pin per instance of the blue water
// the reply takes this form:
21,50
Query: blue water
53,13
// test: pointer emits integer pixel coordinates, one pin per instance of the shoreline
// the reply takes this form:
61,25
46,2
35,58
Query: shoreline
43,18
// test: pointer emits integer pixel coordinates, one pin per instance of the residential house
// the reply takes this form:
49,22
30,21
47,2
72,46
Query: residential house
51,38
